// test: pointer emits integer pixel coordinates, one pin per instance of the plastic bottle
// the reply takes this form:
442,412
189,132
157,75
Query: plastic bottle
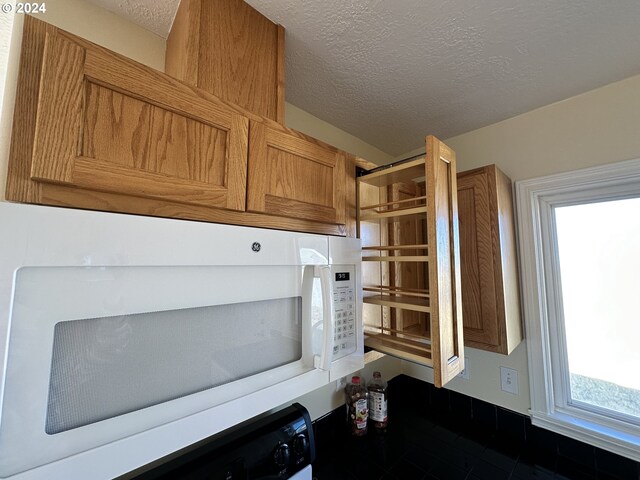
378,402
357,398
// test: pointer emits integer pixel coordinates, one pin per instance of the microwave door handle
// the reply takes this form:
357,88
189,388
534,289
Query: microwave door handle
324,272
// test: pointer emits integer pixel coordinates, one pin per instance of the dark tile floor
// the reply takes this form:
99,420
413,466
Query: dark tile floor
450,444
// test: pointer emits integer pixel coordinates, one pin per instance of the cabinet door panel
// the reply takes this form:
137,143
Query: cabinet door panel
490,297
294,177
476,256
116,127
187,149
110,134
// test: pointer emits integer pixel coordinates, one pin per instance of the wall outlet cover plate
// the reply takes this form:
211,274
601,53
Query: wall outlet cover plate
509,380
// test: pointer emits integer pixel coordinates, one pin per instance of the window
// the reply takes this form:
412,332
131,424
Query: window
580,263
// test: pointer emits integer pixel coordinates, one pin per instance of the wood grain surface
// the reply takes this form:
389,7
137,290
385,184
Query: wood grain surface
229,49
20,188
477,259
444,267
64,196
183,43
116,127
60,103
490,286
292,177
97,128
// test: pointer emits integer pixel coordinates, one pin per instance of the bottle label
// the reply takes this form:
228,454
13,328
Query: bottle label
378,406
362,414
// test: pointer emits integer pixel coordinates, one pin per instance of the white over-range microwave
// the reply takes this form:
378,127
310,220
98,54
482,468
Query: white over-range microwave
126,338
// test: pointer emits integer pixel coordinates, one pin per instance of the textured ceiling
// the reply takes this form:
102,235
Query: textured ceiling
154,15
391,71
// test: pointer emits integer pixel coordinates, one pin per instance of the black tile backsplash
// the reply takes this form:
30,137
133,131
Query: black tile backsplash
485,415
511,425
462,405
577,452
438,434
614,465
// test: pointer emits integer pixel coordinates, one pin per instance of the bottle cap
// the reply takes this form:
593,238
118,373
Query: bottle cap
355,380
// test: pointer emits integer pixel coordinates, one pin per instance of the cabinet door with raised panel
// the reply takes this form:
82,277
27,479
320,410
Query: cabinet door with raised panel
120,132
291,175
490,297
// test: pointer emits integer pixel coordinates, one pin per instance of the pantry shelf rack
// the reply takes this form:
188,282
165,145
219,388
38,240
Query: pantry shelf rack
407,220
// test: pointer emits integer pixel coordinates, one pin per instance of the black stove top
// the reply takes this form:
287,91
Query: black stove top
272,447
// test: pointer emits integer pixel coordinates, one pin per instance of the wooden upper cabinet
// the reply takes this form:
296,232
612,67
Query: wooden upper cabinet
231,50
291,175
95,130
490,295
90,119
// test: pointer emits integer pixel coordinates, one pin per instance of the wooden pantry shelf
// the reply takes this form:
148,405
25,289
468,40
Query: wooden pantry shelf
395,202
414,304
422,246
397,258
398,334
394,215
404,348
391,290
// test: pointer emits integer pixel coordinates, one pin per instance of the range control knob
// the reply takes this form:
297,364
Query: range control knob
282,455
300,444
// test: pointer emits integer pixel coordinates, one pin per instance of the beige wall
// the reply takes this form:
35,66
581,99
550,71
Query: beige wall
106,29
597,127
330,397
306,123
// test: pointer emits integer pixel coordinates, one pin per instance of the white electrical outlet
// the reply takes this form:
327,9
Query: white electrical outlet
509,380
465,373
341,383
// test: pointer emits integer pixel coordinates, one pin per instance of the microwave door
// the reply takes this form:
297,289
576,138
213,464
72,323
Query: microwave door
135,347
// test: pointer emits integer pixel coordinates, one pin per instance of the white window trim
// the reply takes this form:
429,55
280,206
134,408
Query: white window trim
548,376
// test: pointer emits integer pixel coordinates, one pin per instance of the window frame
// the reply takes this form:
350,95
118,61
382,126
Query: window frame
536,200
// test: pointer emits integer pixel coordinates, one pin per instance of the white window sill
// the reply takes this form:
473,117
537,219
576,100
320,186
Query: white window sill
592,433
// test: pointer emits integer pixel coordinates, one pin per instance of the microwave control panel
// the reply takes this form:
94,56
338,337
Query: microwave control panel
344,302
